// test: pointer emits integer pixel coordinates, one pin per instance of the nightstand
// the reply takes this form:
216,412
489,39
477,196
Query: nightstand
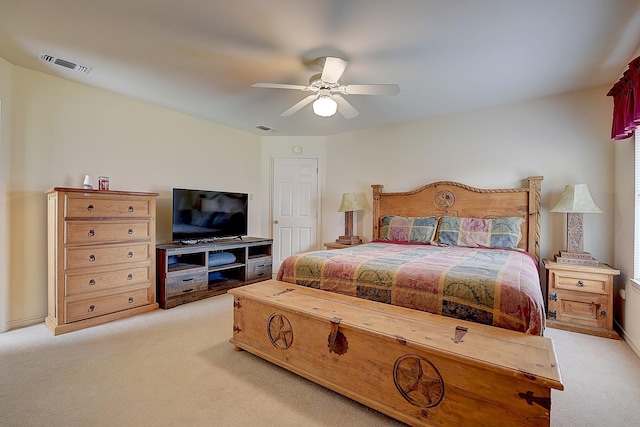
336,245
580,298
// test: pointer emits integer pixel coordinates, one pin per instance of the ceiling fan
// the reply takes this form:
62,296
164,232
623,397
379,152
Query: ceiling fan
327,91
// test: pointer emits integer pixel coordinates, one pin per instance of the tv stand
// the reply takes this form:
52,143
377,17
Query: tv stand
190,272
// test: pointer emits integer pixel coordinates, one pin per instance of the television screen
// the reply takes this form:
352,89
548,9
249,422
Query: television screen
202,214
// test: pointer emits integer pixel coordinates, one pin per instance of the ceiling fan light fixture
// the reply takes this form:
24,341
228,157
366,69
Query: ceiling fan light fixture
325,106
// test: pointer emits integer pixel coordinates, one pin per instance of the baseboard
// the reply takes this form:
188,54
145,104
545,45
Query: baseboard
23,323
628,340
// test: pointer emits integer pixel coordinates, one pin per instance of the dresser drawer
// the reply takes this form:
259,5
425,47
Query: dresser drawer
82,257
97,281
96,205
93,307
88,232
259,268
580,281
187,283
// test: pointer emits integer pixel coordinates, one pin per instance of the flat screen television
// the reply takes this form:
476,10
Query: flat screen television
207,215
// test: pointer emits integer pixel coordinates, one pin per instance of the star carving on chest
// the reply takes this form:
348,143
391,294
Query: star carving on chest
422,382
418,381
280,331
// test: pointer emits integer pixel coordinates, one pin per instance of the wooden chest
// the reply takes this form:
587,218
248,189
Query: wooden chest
419,368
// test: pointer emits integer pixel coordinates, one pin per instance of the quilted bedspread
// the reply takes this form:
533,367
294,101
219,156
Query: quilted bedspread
496,287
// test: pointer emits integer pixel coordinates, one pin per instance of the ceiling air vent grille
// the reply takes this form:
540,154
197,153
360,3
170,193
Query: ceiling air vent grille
52,59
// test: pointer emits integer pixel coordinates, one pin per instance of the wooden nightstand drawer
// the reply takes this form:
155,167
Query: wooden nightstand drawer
583,282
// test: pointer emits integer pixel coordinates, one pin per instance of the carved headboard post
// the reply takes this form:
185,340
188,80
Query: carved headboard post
534,216
377,189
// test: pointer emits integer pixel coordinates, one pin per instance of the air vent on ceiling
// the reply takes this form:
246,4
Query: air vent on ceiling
52,59
265,128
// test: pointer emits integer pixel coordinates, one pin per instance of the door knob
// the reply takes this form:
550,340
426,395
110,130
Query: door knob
276,222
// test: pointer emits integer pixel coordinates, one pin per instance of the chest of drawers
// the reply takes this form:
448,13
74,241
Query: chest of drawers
580,298
101,247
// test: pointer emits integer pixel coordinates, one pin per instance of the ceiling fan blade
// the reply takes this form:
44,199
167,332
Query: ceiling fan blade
370,89
299,106
346,109
333,69
279,86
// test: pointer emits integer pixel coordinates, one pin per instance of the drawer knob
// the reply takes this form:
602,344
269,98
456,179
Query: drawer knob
130,208
90,208
580,283
129,254
92,258
130,300
91,308
130,276
92,282
91,233
131,231
603,313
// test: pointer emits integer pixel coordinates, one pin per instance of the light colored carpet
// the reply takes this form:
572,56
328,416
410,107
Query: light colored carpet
176,367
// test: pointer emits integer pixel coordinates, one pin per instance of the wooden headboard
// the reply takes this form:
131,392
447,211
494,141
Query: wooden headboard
454,199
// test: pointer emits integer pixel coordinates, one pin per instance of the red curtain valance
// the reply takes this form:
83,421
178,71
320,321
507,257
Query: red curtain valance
626,102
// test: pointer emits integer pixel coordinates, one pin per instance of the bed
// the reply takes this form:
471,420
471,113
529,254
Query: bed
445,248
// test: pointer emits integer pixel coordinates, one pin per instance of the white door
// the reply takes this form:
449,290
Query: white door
295,207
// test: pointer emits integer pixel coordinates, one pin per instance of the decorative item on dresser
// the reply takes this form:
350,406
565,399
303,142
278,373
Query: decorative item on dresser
349,204
101,259
576,200
581,298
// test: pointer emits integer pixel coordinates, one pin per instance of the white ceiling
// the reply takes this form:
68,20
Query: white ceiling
201,56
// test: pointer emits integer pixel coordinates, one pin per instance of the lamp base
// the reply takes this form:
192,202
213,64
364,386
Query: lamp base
576,258
349,240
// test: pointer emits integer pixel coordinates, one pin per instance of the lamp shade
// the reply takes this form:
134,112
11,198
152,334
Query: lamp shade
350,203
577,199
325,106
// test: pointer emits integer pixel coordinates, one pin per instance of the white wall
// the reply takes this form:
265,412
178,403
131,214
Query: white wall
5,102
627,310
62,130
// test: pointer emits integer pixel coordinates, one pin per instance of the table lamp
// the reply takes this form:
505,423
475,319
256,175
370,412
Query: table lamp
349,204
575,201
